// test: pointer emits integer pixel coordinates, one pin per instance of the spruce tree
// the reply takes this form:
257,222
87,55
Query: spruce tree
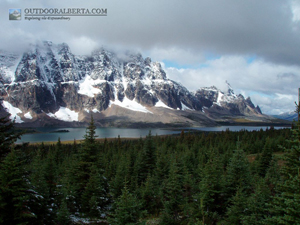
63,214
188,192
255,209
15,193
211,191
285,206
173,195
238,174
51,179
40,185
7,136
122,172
237,208
147,163
127,209
85,187
58,152
81,168
272,177
89,150
95,198
150,195
265,158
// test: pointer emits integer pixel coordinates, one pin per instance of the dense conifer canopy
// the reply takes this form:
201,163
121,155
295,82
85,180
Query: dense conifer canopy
195,178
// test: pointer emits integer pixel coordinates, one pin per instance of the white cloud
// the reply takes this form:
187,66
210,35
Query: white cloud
179,55
197,26
295,6
276,104
273,87
82,45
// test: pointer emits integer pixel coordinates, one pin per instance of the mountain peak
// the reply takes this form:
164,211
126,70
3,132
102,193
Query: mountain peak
47,43
229,89
57,81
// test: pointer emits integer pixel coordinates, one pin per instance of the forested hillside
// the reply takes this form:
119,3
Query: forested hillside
195,178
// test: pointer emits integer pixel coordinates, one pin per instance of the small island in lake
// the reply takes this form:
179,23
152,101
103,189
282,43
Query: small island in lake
60,131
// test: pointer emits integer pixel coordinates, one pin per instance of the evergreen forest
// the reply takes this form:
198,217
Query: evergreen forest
245,177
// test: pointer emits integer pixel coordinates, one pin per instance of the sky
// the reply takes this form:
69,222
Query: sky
252,44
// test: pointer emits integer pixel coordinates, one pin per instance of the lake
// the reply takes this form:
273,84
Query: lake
46,133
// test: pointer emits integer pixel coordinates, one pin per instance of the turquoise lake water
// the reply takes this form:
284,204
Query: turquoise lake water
78,133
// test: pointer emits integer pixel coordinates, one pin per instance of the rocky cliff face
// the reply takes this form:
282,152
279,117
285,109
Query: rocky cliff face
226,102
48,82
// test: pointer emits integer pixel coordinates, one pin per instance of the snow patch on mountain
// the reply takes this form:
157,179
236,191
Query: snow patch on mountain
95,110
130,104
65,114
86,86
161,104
220,98
28,116
184,107
147,82
13,111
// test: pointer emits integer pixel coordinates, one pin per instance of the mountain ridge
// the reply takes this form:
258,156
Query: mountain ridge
61,86
290,116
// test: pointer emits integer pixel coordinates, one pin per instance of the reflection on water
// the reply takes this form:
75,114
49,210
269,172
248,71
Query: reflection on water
78,133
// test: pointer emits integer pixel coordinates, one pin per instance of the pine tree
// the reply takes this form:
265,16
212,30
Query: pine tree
86,158
238,174
127,209
7,136
122,172
15,194
162,164
149,195
58,152
85,187
39,184
211,191
63,214
147,163
50,177
188,191
255,209
285,206
89,151
265,158
272,177
237,209
95,198
173,195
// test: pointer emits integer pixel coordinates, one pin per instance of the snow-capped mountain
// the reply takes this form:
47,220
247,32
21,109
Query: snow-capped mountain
216,100
49,84
290,116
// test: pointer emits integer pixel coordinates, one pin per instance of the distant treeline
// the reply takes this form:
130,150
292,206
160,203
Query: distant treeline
245,177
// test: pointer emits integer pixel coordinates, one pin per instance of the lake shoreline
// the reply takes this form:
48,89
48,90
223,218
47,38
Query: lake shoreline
50,135
288,124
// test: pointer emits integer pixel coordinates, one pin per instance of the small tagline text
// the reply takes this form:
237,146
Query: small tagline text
42,18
